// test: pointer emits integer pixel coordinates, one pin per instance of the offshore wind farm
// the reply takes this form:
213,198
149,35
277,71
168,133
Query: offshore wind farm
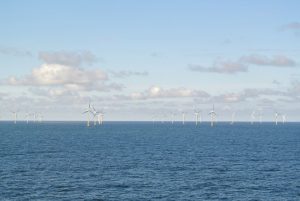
150,100
97,117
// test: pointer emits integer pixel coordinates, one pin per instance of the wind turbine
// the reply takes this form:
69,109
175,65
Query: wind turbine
153,118
172,117
276,117
200,117
183,118
197,114
99,115
34,116
88,111
283,118
15,115
252,116
27,117
40,117
96,115
260,114
101,118
162,116
213,115
232,118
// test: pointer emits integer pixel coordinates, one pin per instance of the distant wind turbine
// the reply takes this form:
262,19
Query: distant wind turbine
15,116
94,113
153,118
276,117
213,115
40,117
183,118
232,118
172,117
88,111
197,115
27,117
98,115
252,116
101,118
283,118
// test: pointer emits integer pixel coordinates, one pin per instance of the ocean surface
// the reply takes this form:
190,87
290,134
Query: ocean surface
146,161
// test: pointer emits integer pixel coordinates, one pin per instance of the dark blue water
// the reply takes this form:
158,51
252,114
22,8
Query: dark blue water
142,161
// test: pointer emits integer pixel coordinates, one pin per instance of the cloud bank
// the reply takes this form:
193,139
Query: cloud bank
15,52
155,92
68,58
221,67
243,63
67,77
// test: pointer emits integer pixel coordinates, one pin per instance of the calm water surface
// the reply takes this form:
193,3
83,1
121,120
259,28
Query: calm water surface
145,161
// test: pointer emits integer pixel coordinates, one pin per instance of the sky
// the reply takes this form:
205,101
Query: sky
145,60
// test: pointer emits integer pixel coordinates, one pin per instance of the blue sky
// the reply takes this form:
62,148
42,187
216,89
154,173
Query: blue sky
145,59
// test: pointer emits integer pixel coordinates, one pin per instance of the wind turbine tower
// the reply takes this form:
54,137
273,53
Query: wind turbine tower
172,117
213,115
27,117
183,118
197,115
252,116
88,111
276,118
15,116
283,118
232,118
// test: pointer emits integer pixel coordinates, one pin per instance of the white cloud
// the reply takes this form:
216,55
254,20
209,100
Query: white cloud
159,92
71,78
56,74
242,64
15,52
227,67
294,89
247,94
276,61
68,58
124,74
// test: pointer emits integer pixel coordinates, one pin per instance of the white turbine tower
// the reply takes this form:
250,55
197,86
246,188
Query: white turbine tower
276,117
88,111
232,118
200,117
27,115
197,115
183,118
154,118
101,118
260,115
283,118
98,115
15,116
162,120
252,116
213,115
172,117
95,114
40,117
34,117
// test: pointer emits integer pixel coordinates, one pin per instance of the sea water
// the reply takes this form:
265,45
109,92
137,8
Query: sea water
149,161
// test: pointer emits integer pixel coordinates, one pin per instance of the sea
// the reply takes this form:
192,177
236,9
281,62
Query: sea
138,161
